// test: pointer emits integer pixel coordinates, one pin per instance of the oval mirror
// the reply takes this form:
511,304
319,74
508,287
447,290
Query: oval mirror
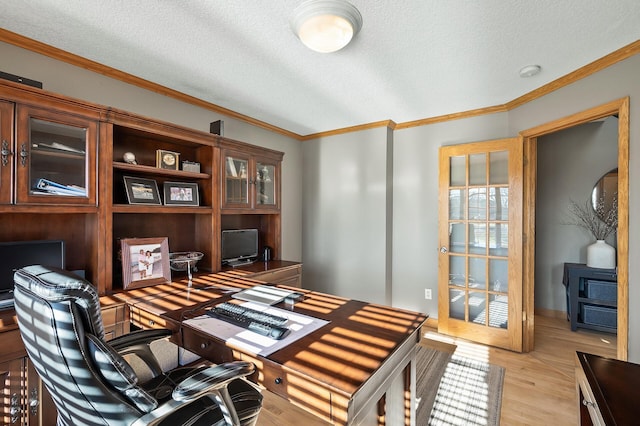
604,197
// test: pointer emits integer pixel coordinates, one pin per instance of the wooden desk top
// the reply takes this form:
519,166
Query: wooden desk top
259,266
343,354
614,384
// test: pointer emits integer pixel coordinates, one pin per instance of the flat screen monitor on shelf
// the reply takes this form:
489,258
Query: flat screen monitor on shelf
239,246
18,254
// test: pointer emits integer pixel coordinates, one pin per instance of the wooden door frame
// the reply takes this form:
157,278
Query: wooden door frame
529,140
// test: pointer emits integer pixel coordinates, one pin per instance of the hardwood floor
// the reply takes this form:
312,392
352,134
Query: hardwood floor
539,386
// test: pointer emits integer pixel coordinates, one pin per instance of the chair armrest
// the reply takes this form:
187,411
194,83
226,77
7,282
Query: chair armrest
210,381
212,378
138,343
138,337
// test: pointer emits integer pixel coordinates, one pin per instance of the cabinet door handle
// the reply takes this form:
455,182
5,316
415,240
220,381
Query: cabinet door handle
14,411
34,401
588,403
24,153
5,152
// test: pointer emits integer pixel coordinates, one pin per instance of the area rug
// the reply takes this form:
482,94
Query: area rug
454,390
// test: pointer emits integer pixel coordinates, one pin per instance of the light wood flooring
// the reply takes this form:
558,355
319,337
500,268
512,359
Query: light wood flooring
539,387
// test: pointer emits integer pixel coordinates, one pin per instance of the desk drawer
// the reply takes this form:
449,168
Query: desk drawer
283,276
145,320
295,388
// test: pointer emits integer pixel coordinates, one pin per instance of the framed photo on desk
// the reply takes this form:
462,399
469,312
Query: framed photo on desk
145,262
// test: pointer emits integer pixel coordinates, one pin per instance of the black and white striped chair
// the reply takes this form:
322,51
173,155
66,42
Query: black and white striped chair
90,381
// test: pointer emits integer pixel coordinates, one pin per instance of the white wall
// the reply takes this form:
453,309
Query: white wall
345,215
570,162
62,78
415,224
415,207
616,82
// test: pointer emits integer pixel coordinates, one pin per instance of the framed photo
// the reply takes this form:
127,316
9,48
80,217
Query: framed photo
181,194
145,262
141,191
167,159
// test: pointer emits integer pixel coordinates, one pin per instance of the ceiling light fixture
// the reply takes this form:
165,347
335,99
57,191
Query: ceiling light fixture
530,71
326,25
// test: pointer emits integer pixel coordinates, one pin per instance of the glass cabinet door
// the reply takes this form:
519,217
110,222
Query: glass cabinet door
265,184
236,181
55,156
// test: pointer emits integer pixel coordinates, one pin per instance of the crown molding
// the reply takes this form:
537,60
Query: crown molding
61,55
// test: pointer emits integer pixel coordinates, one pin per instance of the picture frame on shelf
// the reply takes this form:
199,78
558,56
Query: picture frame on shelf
141,190
181,194
168,160
145,262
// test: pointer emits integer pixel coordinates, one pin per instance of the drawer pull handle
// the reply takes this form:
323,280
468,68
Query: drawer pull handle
278,380
588,403
152,322
204,345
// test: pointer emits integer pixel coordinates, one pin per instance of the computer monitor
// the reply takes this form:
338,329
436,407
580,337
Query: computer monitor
239,246
18,254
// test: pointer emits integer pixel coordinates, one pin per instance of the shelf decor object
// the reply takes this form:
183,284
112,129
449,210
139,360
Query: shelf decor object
145,262
141,190
590,217
185,261
181,194
167,159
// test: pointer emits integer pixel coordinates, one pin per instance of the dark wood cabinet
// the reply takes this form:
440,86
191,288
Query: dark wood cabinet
592,295
606,390
78,146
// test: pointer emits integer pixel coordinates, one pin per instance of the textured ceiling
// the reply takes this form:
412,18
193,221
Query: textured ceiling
413,59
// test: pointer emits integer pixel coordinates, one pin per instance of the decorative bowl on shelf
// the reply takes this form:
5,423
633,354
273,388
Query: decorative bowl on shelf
185,261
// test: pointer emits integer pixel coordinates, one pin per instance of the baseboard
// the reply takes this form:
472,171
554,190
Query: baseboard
550,313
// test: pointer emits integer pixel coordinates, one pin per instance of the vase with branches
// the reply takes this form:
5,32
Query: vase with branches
601,220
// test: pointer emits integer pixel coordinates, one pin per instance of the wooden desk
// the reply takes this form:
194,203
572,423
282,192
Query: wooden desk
281,272
607,390
357,369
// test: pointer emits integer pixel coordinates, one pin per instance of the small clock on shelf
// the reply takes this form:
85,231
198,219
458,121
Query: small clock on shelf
167,159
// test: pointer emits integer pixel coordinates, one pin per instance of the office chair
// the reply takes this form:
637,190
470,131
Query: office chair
91,383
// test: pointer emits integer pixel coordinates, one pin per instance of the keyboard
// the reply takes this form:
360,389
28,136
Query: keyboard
265,324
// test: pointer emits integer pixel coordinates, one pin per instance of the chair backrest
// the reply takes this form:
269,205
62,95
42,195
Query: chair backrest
61,326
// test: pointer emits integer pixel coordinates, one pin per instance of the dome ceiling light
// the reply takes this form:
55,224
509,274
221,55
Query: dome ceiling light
530,71
326,25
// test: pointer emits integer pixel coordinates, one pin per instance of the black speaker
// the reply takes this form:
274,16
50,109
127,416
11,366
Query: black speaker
217,127
18,79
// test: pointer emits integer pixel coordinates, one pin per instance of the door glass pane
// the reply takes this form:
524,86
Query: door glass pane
457,201
456,304
478,238
457,272
498,239
236,179
58,160
456,237
477,203
499,203
499,275
499,168
457,171
477,273
498,310
265,184
478,307
478,169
